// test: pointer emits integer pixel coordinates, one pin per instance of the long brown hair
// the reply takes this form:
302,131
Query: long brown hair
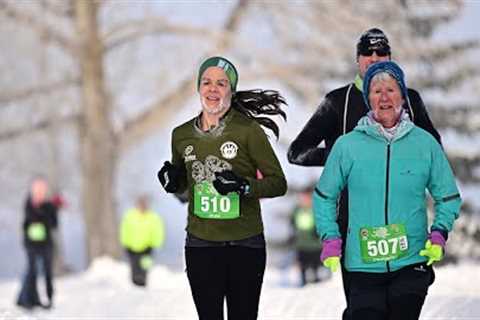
257,102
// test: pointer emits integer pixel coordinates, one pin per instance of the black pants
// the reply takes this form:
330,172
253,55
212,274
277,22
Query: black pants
308,260
231,272
395,295
137,273
345,279
28,296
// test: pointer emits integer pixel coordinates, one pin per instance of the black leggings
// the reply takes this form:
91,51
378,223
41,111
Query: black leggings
28,296
138,274
231,272
308,260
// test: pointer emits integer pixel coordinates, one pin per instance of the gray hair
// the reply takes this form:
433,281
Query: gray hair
383,76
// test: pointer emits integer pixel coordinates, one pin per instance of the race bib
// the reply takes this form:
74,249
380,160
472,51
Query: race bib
209,204
37,232
146,262
383,243
304,220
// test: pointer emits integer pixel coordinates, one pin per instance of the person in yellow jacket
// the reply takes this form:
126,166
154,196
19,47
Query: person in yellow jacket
141,231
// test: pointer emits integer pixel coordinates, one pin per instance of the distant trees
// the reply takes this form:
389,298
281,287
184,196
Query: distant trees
68,66
86,45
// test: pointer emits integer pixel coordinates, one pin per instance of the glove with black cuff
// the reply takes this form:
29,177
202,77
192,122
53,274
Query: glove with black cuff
227,181
169,176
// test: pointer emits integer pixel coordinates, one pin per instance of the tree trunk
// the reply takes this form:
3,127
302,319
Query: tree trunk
97,144
162,111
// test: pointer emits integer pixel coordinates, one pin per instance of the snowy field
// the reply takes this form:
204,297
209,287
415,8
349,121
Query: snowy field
104,292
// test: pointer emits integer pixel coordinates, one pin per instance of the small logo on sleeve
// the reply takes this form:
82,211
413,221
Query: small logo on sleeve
187,154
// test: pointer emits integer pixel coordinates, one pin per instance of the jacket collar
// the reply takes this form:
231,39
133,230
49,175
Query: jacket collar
368,125
218,130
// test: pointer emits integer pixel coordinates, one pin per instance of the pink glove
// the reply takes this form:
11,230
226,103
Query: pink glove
436,238
331,248
58,201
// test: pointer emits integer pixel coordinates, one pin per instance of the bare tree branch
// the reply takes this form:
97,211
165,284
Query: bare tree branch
164,109
438,51
38,26
41,89
39,126
61,9
447,81
133,30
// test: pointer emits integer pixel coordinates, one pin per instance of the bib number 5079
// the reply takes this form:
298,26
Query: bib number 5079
382,247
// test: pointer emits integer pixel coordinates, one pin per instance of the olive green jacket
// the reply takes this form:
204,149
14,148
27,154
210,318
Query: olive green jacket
239,144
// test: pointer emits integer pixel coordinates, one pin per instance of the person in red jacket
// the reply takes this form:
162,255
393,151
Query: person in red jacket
39,222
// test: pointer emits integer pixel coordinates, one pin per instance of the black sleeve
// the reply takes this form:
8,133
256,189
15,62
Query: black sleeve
27,215
182,197
53,214
420,115
304,150
178,161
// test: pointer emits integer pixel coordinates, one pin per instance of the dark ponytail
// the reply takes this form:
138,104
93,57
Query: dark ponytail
253,103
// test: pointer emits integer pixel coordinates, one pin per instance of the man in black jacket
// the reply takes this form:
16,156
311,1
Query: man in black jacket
339,113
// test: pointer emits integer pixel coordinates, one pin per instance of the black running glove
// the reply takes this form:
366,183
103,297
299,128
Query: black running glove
169,176
227,181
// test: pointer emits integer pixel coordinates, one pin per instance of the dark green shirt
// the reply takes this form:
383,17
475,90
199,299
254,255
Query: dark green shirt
238,143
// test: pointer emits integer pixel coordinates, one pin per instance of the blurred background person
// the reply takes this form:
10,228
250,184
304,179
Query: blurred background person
306,242
141,231
41,218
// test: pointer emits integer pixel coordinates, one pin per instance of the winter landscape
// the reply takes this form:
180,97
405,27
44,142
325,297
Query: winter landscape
104,292
146,83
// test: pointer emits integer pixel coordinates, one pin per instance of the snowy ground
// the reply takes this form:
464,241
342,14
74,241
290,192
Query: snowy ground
104,292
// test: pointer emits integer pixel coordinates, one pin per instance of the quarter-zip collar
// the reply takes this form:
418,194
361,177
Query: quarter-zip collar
217,130
370,126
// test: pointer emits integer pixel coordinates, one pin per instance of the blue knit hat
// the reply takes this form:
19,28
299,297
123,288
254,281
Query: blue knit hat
223,63
389,67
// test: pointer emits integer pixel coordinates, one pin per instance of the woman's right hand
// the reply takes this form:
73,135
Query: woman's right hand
169,177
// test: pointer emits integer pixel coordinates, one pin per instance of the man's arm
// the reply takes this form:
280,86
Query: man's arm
304,150
420,115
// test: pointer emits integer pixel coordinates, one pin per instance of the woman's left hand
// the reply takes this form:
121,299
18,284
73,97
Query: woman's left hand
227,181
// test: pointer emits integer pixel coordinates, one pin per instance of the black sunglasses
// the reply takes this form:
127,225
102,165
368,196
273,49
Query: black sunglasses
381,52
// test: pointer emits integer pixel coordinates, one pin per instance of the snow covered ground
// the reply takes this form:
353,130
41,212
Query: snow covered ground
104,292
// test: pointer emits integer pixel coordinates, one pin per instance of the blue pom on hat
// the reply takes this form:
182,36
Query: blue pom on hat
389,67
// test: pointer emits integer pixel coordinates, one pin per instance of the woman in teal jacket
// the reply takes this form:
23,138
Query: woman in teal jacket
387,163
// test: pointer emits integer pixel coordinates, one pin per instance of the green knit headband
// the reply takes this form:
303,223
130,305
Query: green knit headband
223,63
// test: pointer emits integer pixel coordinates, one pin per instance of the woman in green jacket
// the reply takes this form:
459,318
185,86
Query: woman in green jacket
387,163
217,157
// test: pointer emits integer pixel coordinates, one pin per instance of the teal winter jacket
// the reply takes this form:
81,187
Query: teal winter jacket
387,183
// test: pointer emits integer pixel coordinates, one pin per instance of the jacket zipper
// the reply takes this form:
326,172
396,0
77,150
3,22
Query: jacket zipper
387,183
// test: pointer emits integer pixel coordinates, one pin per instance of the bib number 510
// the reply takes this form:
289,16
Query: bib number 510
215,204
